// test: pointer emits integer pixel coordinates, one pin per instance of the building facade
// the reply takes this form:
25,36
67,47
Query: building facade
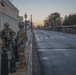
8,13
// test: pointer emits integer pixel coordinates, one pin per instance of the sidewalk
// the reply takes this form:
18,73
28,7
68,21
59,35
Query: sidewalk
19,71
28,69
23,70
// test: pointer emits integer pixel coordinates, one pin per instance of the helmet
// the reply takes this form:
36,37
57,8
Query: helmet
21,24
6,24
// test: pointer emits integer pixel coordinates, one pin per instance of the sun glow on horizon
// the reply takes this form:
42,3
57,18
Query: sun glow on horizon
41,24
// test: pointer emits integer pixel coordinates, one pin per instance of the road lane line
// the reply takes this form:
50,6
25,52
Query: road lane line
46,37
51,36
44,58
37,39
62,36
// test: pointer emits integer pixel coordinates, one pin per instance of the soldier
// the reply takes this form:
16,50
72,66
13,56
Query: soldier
6,36
21,43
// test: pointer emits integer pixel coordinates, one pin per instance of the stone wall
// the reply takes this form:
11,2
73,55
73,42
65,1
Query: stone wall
9,13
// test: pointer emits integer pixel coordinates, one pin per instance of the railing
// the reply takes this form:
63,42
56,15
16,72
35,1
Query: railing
67,28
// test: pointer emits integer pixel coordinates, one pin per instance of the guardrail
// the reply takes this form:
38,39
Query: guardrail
67,28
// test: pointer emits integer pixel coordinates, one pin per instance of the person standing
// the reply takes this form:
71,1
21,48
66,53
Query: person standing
7,35
21,43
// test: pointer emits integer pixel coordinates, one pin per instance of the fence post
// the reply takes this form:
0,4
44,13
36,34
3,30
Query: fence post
13,62
4,63
16,52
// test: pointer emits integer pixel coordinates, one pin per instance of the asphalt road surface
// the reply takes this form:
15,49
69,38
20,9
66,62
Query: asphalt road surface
57,52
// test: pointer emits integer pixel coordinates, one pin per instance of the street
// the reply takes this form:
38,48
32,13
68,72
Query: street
57,52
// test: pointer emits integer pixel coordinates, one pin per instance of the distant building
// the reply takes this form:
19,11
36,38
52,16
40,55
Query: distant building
8,13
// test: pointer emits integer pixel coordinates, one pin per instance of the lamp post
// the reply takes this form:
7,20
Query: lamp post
25,16
31,22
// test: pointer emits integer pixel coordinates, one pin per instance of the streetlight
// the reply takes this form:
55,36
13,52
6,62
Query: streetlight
31,22
25,16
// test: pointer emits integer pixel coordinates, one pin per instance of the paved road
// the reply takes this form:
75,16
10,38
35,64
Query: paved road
57,52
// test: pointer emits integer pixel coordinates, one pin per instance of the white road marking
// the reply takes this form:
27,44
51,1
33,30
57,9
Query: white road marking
37,39
62,36
46,37
44,58
51,36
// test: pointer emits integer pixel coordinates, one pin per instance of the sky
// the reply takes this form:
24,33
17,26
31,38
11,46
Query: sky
40,9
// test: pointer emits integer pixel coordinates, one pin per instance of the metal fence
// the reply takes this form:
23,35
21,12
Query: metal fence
67,28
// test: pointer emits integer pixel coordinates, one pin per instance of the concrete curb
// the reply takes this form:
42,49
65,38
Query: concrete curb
36,62
29,66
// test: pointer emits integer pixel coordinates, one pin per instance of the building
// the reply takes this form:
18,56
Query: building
8,13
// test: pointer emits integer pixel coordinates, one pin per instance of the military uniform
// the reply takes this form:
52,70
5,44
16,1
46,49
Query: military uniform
21,43
6,35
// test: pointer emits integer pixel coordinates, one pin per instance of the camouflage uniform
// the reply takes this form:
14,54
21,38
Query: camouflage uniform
21,41
7,35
